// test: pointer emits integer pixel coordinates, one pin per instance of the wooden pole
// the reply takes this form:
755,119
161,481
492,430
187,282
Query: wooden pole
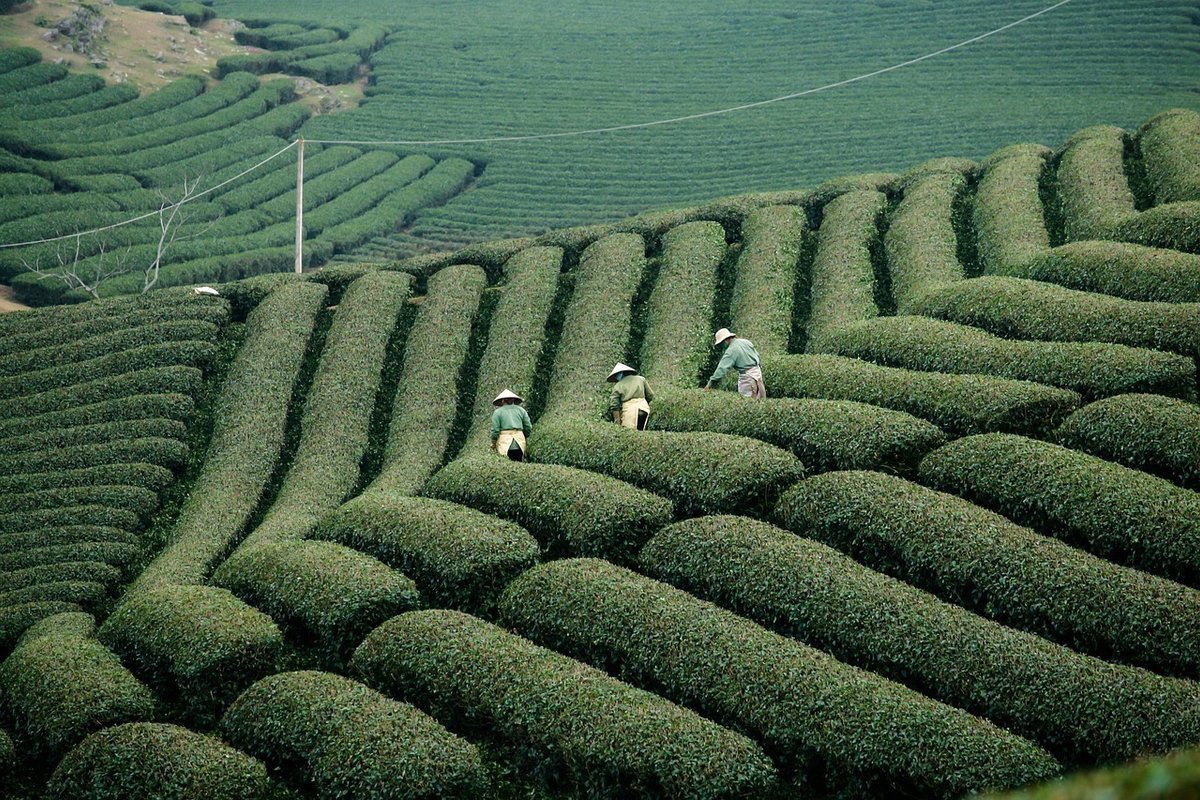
300,209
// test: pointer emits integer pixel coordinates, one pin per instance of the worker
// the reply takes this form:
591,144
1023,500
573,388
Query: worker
629,402
510,425
740,355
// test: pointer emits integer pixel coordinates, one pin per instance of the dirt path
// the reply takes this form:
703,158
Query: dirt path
6,300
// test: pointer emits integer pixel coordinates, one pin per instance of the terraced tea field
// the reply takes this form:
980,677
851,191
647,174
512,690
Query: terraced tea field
257,544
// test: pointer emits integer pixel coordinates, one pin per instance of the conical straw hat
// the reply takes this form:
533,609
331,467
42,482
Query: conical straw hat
618,369
508,394
722,335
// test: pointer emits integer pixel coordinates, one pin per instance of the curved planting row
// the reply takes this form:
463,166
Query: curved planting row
323,54
767,271
921,242
842,280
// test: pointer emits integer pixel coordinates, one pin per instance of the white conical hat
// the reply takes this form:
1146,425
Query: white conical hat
722,335
620,368
508,394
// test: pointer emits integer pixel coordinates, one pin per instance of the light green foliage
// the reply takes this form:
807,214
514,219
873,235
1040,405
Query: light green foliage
458,557
921,243
60,684
153,761
1174,226
1093,369
959,404
1082,709
609,738
820,715
977,559
567,510
843,279
1160,435
1171,155
677,343
1008,209
1093,192
704,473
1118,268
761,307
1175,776
1118,513
1022,309
596,326
346,740
823,434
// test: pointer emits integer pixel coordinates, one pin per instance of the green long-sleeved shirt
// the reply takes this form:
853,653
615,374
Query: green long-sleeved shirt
740,355
510,417
631,387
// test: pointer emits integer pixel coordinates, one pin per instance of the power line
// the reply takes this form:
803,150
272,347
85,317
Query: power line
703,114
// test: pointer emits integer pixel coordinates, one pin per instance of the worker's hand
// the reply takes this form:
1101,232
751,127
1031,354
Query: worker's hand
708,387
616,417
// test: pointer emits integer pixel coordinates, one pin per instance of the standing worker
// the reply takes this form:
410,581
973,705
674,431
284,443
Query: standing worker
740,355
510,425
629,403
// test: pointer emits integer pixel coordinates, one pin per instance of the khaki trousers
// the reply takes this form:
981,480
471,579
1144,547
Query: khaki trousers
507,437
630,409
750,384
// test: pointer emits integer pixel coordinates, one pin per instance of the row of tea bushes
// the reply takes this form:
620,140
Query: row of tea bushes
773,240
842,278
1170,155
921,243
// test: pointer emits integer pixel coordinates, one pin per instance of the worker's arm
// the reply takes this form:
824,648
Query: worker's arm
723,366
614,404
495,425
646,390
526,423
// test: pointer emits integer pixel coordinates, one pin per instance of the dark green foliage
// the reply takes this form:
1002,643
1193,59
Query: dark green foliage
16,619
96,434
843,286
977,559
19,80
328,69
1093,192
761,306
839,727
1116,512
85,347
1117,268
958,404
1175,776
1175,226
1091,368
98,422
597,735
147,476
345,740
149,761
197,644
68,534
1080,708
366,195
167,453
321,590
13,58
704,473
92,514
82,593
251,416
676,345
429,393
596,326
567,510
22,183
93,571
70,87
171,95
1157,434
1008,209
102,98
921,243
93,543
1171,156
458,557
256,192
60,684
823,434
132,499
160,380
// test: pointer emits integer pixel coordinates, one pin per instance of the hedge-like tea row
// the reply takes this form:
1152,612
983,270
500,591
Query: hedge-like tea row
99,422
346,740
1093,192
95,434
1156,434
921,243
199,644
677,342
32,360
1175,776
118,553
1116,512
1080,708
458,557
254,141
337,414
147,476
1093,369
610,739
155,380
958,404
103,98
256,193
133,499
19,80
767,270
703,473
93,571
596,325
1020,309
251,416
1175,226
843,276
154,303
13,58
366,195
1117,268
60,684
979,560
428,393
1008,214
567,510
50,337
823,434
81,593
16,619
168,453
1171,156
839,727
154,761
516,335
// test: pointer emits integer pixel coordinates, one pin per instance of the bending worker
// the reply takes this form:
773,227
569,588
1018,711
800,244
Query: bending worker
510,425
740,355
629,403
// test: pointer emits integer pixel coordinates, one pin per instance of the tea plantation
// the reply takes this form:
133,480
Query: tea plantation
256,545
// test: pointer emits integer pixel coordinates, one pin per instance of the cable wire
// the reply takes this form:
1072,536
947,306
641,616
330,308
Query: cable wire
703,114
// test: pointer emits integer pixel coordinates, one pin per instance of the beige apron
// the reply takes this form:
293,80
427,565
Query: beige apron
630,409
750,384
506,438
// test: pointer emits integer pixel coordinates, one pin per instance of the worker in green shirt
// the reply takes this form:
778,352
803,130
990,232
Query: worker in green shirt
510,425
740,355
629,403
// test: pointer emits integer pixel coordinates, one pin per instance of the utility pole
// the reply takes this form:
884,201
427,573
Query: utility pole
300,209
